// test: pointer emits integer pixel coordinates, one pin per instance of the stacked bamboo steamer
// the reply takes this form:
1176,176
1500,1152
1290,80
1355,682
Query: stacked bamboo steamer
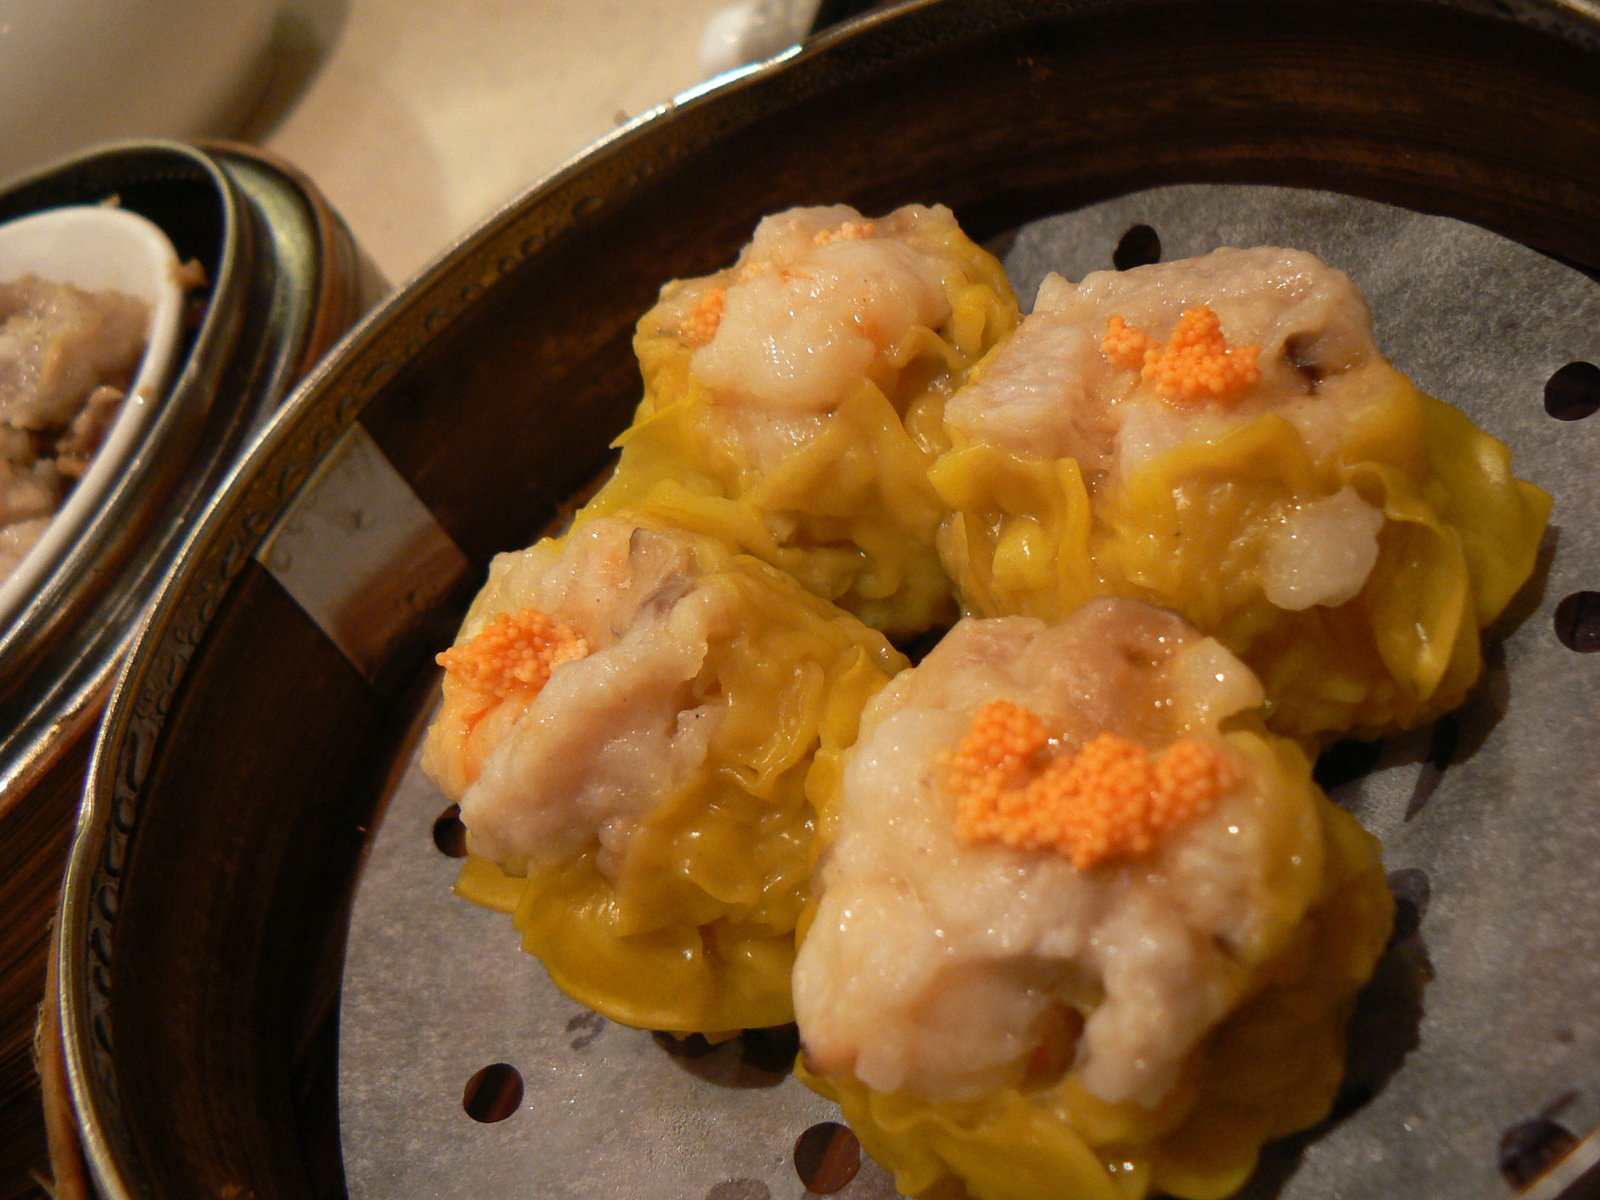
283,280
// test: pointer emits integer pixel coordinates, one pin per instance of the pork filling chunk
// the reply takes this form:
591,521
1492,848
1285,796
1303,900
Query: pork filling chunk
820,300
948,968
543,773
1053,391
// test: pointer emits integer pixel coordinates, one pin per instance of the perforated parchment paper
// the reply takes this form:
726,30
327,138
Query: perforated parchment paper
1483,1016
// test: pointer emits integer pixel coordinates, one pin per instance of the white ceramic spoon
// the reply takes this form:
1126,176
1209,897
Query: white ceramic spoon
96,248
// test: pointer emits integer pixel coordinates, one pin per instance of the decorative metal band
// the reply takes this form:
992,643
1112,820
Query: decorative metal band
361,554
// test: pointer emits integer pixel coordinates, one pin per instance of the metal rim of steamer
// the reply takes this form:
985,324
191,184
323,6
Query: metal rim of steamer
239,1024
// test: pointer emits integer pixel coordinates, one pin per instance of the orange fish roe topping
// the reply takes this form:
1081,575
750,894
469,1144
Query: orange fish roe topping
515,653
1127,346
1111,800
706,317
1195,366
1000,750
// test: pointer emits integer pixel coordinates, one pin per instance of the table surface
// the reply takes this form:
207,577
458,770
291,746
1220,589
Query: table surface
417,119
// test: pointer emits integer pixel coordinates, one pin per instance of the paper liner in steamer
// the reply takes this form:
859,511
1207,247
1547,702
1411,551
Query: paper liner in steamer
1480,1021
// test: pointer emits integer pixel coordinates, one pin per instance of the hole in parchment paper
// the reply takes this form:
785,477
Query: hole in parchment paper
1578,622
493,1093
449,834
1573,392
1530,1149
826,1157
1138,247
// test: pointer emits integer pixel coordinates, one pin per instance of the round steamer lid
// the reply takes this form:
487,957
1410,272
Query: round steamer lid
263,726
281,282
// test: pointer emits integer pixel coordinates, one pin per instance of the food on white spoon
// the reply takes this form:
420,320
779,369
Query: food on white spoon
91,329
67,358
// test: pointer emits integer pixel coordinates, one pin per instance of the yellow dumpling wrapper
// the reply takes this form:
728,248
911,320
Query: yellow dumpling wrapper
1459,536
692,929
1272,1067
841,500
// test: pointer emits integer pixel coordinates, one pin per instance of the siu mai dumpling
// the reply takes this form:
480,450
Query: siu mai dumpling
633,718
793,401
1083,927
1221,436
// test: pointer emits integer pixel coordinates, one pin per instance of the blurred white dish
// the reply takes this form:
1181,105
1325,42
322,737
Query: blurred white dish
97,248
85,71
748,31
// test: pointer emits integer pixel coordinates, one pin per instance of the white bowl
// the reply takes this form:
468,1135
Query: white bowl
77,72
97,248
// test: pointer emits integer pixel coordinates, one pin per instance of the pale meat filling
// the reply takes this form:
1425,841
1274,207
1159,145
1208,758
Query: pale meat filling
1320,551
936,967
58,343
1050,392
819,300
583,762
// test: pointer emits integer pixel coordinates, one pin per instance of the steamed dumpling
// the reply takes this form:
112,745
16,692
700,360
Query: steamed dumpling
1222,436
631,720
792,401
1074,904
